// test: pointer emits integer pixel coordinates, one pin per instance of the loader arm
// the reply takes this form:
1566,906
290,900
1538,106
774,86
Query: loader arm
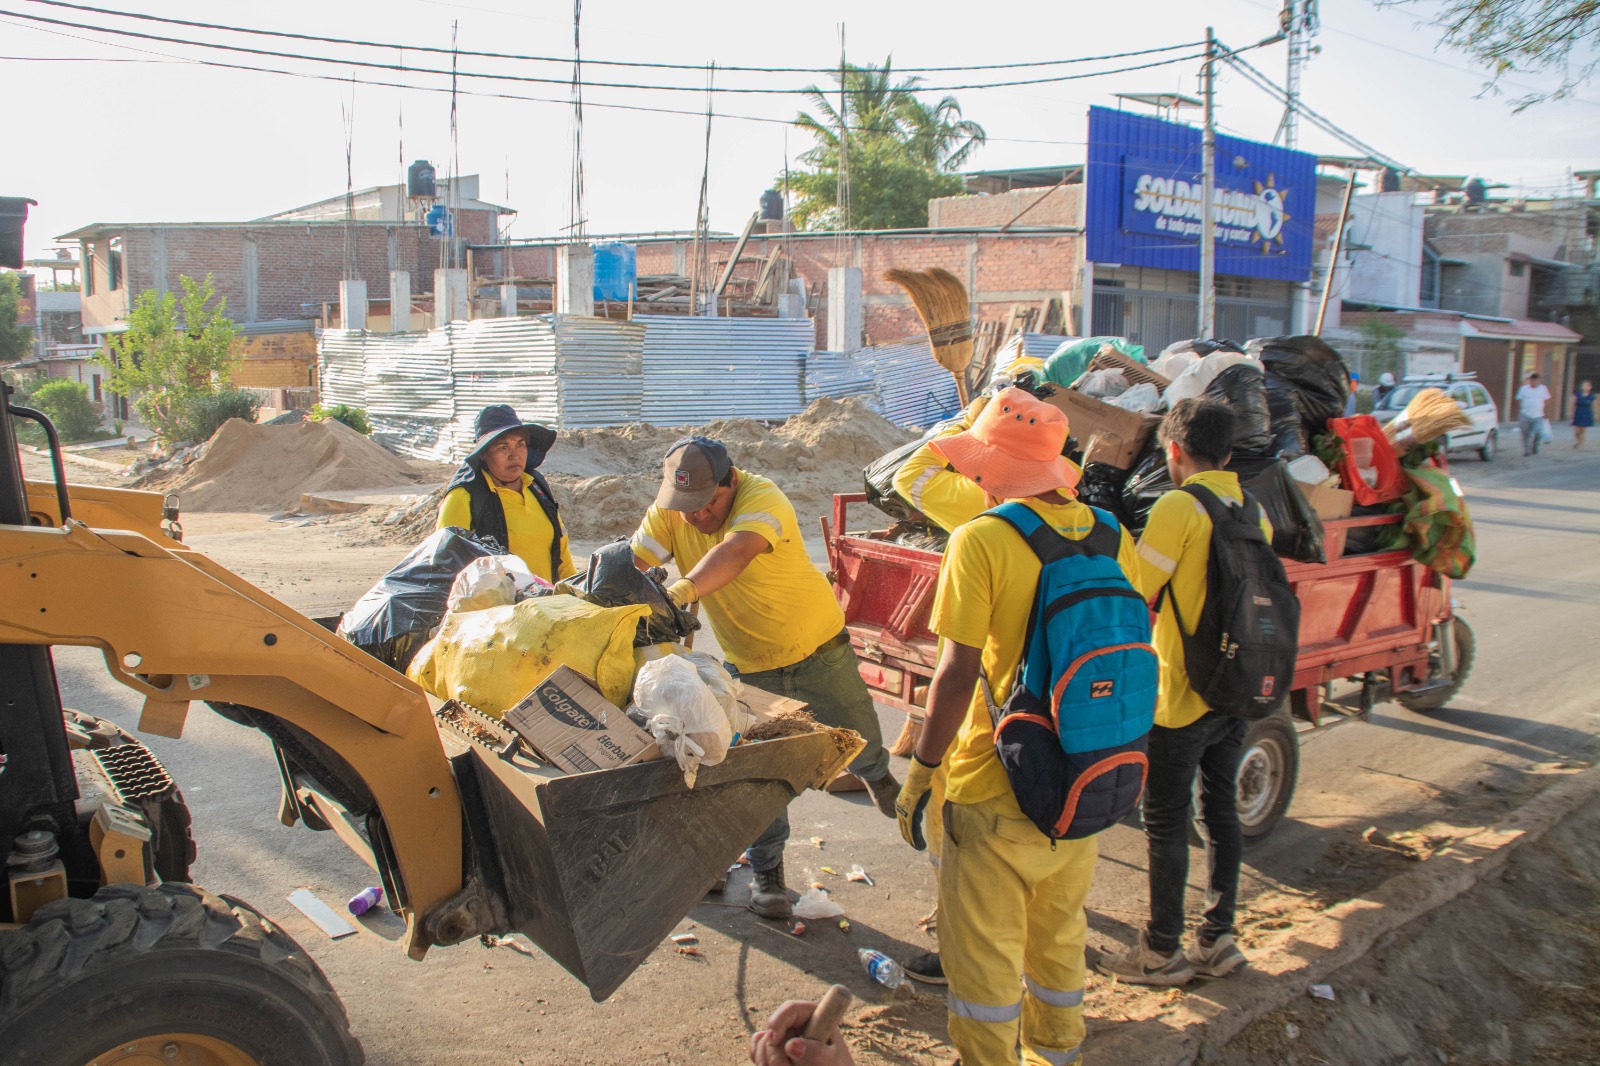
175,626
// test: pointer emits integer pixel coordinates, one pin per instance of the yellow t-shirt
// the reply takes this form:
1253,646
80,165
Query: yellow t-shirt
526,526
781,608
929,483
1174,549
986,589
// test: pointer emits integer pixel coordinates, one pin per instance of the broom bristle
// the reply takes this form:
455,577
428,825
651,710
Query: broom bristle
941,302
906,742
1430,414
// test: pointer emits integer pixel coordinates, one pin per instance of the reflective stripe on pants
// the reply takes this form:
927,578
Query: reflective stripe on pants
1011,935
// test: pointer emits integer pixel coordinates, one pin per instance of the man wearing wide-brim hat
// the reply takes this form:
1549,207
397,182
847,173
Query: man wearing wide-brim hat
499,492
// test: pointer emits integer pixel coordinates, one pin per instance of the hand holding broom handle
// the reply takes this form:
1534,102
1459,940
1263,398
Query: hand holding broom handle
830,1011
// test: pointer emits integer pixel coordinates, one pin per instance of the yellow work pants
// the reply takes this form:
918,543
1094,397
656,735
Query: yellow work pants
1011,935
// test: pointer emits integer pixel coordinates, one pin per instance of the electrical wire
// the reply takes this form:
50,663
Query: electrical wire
596,62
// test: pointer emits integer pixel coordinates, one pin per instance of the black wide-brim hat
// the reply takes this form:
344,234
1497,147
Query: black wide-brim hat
496,421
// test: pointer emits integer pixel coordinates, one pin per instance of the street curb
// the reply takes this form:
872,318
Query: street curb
73,457
1214,1013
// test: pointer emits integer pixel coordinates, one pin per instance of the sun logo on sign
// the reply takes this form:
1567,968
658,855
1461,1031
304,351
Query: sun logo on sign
1271,212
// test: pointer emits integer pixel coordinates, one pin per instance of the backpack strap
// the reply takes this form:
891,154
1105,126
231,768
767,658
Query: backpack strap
1105,538
1218,511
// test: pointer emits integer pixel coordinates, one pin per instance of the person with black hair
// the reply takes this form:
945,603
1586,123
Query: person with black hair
499,492
1188,736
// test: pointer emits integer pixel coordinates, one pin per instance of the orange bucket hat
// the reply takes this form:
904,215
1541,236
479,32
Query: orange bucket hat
1013,449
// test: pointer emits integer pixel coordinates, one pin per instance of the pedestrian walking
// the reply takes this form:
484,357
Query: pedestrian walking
1531,423
1206,536
1582,412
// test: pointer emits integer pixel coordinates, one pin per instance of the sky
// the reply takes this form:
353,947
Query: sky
165,140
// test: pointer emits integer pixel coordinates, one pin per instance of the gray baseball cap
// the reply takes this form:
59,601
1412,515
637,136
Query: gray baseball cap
693,469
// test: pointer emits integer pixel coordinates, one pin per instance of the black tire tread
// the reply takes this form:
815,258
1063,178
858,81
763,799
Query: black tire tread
1466,655
70,940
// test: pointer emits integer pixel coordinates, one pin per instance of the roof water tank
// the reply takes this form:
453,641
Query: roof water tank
772,205
616,271
1476,191
1390,182
439,222
420,183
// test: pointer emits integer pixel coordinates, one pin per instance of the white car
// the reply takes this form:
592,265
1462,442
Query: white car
1484,433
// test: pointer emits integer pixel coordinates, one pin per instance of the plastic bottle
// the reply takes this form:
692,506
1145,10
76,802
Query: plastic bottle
881,968
365,900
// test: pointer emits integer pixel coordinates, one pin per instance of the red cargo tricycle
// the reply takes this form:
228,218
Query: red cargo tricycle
1380,619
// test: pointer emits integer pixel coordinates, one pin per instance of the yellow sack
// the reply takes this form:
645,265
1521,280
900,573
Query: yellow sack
492,658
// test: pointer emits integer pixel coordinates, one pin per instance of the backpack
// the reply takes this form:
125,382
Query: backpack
1241,657
1073,730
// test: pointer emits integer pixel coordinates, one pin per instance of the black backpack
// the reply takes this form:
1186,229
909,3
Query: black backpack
1241,657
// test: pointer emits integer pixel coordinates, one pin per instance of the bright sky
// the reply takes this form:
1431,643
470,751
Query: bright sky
172,141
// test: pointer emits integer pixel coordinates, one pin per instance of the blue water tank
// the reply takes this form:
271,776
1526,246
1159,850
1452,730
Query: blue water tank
440,224
616,271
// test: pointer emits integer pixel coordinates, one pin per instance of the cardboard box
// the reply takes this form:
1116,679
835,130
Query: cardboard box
1108,434
574,728
1327,500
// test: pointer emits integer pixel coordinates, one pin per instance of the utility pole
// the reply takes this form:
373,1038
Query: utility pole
1207,325
1298,22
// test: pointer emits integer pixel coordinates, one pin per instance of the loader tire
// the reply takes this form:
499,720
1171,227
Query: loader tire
172,845
170,972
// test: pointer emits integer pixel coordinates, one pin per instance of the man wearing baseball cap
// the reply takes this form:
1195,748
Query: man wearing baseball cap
737,543
499,492
1011,917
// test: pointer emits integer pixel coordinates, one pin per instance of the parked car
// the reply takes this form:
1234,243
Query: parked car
1473,398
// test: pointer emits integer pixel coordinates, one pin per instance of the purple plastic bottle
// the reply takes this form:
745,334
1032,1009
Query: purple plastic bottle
365,900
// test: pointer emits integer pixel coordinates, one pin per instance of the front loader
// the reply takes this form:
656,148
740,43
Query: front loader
107,953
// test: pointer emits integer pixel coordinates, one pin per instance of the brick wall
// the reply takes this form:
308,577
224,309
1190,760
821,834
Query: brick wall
276,372
1059,206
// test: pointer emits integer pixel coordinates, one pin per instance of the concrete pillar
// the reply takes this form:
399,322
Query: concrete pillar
574,293
449,296
353,304
399,301
791,305
845,323
508,300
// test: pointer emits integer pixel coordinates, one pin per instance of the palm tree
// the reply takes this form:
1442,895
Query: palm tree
875,105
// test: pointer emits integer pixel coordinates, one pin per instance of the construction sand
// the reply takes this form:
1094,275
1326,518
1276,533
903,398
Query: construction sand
247,467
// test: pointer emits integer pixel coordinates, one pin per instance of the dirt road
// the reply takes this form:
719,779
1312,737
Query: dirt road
1526,717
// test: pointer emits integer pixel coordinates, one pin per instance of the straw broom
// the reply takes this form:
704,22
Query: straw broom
1430,415
941,300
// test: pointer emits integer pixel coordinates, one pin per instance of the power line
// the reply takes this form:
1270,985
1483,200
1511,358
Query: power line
1328,126
528,78
597,62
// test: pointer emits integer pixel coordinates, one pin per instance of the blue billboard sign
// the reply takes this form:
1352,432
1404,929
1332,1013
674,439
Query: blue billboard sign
1144,199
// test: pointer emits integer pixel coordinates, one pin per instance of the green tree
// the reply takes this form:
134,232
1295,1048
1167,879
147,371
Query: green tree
16,339
67,403
897,150
174,355
1548,37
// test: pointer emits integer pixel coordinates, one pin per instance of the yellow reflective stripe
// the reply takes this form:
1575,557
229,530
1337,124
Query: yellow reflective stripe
1156,559
641,539
1051,996
980,1012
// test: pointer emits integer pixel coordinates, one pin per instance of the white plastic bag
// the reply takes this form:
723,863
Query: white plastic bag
815,904
1104,384
684,715
1175,359
724,686
1142,398
483,583
1193,381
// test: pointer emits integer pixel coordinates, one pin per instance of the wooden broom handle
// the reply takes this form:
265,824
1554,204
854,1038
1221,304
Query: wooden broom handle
830,1011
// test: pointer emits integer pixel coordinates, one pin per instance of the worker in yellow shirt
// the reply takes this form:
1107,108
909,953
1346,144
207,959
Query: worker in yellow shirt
929,483
499,493
1188,736
1011,900
737,543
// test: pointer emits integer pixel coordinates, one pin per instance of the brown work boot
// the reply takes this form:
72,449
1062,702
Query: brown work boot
770,896
884,792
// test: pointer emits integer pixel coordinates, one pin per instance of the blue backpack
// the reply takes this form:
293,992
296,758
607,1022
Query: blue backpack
1072,734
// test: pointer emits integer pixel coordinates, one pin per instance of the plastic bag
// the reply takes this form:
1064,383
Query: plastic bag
724,686
1193,381
1369,468
815,904
1243,388
1071,359
1143,398
1178,356
1142,488
1101,486
482,583
491,659
1296,529
613,580
1288,429
1315,372
683,713
1104,384
1546,435
399,613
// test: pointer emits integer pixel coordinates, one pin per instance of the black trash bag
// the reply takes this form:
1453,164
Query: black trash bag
1296,529
1317,373
879,476
398,614
1243,388
1288,430
613,580
1143,488
1201,347
1101,487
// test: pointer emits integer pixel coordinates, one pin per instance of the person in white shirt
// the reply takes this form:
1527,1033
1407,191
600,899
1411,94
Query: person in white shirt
1531,399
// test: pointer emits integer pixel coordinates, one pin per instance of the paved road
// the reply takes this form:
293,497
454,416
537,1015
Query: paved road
1529,706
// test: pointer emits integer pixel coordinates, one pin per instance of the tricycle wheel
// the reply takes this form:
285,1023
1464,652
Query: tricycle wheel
1269,766
1434,698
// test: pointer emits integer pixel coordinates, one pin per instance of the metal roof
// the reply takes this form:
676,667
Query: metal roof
914,389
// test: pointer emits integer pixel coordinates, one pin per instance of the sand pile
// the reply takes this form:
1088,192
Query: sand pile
605,479
246,467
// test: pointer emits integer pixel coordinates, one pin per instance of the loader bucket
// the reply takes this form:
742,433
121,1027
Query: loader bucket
598,868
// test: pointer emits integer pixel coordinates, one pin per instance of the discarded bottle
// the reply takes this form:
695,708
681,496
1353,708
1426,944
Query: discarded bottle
365,900
881,968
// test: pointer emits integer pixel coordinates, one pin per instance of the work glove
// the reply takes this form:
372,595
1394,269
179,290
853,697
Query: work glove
913,801
682,592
